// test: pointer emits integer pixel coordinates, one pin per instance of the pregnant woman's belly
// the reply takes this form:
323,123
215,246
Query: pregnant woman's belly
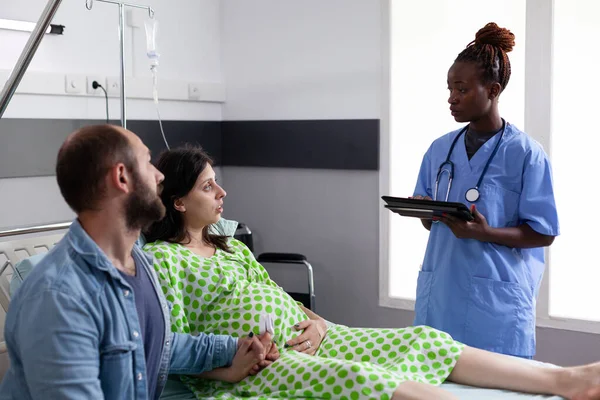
237,311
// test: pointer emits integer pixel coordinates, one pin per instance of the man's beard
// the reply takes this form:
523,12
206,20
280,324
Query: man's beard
143,207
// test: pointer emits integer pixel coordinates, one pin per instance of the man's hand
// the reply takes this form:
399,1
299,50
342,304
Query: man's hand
247,359
271,350
254,353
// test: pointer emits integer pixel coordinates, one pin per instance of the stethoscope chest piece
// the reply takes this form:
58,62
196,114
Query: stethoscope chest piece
472,195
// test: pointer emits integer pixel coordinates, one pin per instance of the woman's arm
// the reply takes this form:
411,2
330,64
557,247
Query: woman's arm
310,314
321,323
522,237
219,374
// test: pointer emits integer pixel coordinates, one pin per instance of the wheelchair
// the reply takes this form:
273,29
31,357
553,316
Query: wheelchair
244,235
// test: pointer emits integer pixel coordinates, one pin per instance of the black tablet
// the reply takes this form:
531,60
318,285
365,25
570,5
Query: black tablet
426,209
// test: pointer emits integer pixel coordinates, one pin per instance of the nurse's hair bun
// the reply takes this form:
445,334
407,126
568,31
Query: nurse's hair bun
495,36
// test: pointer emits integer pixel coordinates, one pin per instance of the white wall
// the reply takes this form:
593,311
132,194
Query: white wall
310,60
90,46
301,59
188,41
90,42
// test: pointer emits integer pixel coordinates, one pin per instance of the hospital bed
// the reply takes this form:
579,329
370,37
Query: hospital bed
31,243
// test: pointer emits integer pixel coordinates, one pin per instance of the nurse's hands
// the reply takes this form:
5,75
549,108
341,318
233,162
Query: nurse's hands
477,229
426,222
417,197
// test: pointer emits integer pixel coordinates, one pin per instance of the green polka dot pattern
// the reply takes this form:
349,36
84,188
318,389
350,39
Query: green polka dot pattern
226,293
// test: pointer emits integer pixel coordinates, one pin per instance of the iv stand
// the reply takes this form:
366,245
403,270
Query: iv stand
89,4
27,55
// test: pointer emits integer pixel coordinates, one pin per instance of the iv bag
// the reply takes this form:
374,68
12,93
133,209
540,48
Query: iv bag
151,51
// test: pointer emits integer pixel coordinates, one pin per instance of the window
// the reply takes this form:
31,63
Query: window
425,38
575,269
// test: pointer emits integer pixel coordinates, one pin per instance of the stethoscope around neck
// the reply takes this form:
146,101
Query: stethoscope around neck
472,194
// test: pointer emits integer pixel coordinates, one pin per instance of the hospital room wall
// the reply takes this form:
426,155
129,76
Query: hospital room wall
314,60
90,46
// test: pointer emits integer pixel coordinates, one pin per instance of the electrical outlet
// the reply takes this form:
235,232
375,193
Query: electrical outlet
100,79
194,90
74,83
113,86
135,18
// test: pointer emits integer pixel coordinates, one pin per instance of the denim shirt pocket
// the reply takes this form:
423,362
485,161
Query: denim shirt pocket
116,370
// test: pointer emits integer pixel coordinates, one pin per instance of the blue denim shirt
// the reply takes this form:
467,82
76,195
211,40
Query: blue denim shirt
72,331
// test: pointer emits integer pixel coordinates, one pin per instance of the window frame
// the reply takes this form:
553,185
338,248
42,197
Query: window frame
538,106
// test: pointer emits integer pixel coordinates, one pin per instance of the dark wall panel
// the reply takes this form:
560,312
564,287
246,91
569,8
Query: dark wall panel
28,147
324,144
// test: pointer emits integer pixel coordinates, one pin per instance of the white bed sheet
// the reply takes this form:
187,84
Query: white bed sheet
470,393
176,390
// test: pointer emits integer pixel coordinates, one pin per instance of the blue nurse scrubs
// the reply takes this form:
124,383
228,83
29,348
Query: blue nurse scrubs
484,294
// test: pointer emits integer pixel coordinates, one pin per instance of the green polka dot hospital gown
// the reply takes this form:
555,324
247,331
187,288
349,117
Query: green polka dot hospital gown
227,294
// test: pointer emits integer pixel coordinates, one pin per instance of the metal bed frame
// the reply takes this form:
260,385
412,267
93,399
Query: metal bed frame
13,251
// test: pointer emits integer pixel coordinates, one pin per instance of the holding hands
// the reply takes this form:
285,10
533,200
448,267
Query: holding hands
254,354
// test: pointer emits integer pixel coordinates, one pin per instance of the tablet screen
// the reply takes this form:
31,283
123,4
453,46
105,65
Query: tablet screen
426,209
